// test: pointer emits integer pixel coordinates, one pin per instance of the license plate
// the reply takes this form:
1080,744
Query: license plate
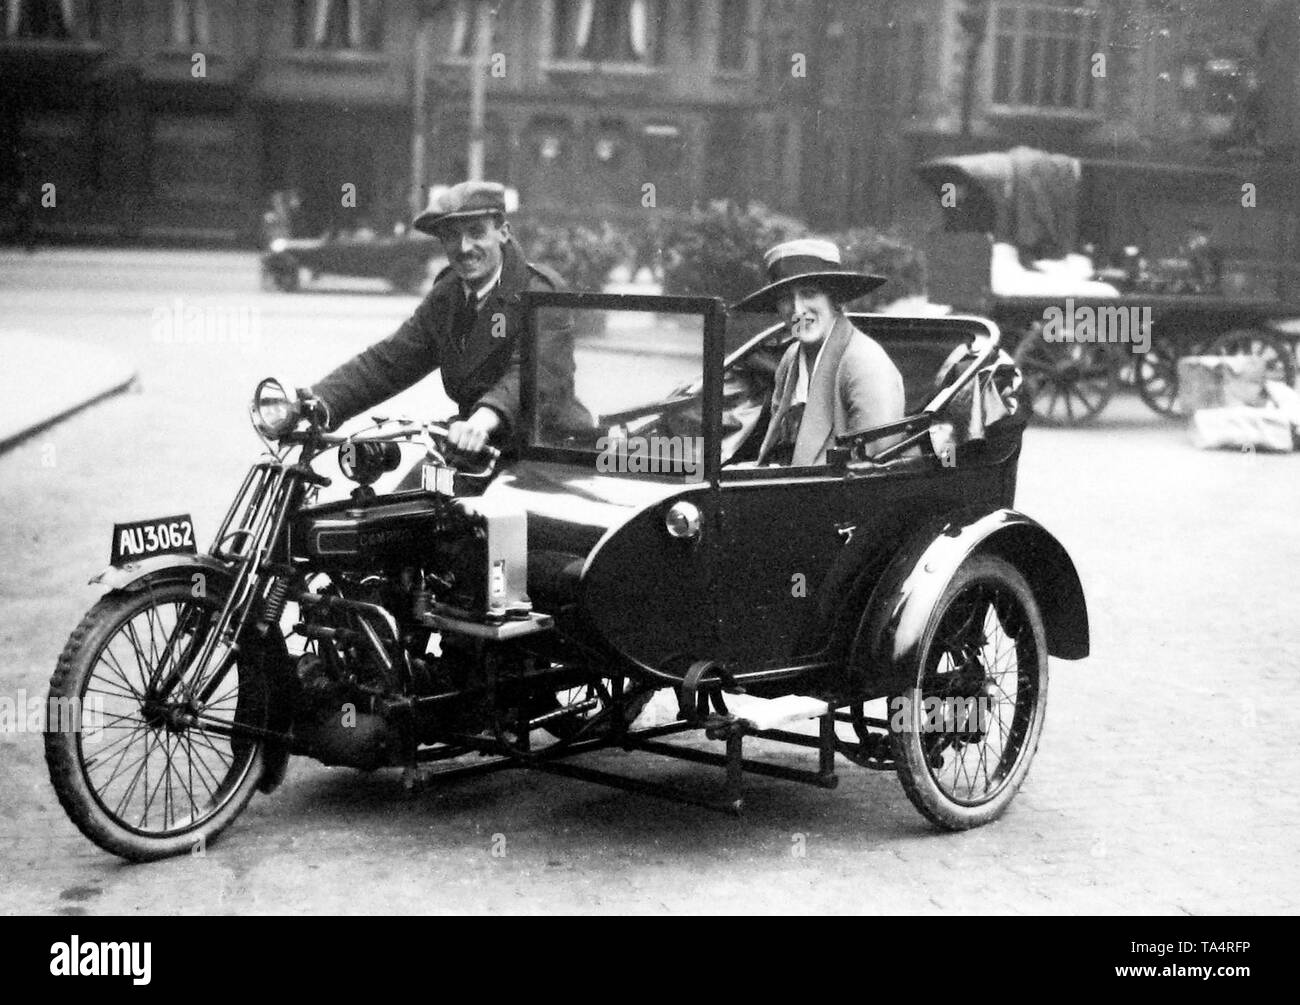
166,535
438,478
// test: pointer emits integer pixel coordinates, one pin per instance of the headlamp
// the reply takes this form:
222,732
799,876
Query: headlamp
273,411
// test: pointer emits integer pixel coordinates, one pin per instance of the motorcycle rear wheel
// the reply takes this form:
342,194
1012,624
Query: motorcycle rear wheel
157,777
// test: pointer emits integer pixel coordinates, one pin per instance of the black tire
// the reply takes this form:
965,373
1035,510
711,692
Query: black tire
214,775
987,604
1065,384
1273,349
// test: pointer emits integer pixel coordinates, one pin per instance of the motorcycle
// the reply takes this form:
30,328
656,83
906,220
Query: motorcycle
200,700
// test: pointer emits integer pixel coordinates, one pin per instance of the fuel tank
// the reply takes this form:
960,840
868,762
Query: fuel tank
408,528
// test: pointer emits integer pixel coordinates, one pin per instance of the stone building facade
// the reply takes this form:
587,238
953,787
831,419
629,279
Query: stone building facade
174,120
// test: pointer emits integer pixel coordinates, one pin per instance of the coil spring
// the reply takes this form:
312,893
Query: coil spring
274,606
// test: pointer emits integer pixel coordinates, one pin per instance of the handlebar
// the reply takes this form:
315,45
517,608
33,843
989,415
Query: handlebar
436,436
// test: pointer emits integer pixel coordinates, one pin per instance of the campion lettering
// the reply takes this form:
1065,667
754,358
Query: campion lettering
1083,323
650,454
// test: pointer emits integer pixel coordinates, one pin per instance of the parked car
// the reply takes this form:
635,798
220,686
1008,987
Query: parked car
404,260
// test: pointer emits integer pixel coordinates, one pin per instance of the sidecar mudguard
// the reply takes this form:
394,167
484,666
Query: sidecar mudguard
888,641
135,576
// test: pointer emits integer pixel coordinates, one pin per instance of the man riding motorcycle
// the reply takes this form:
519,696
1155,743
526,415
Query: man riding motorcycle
468,326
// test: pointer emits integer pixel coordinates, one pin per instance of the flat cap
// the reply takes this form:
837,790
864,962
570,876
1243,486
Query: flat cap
469,198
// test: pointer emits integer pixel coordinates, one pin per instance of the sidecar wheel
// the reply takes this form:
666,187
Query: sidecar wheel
136,774
962,761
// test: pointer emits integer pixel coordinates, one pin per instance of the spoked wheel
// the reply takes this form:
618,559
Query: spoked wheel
1065,383
965,733
150,774
1157,377
1275,351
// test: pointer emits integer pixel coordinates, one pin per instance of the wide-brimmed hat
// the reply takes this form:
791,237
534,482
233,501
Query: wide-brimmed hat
807,259
469,198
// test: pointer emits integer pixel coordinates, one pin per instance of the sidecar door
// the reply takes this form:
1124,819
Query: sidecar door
621,406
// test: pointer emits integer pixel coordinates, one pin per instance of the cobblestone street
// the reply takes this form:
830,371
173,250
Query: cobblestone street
1160,786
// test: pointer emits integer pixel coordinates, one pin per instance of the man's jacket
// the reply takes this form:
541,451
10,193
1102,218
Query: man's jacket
478,354
856,386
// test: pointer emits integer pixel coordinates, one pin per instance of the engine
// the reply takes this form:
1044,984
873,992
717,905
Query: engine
391,567
475,548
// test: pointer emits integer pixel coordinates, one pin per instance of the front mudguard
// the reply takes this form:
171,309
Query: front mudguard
885,651
134,576
203,572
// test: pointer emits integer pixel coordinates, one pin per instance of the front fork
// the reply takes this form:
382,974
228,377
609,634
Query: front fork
254,525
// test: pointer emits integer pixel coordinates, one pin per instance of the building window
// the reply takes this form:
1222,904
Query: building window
1043,55
58,20
607,31
917,78
733,35
339,24
465,17
190,23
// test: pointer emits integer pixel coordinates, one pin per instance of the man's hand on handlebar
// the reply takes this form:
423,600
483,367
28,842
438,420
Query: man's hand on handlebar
470,436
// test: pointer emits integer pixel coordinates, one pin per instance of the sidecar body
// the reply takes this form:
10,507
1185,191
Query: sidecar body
865,596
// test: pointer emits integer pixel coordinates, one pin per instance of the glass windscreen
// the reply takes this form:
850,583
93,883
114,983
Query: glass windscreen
623,385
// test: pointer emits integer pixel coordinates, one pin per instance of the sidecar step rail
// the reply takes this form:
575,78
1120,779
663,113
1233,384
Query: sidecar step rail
731,729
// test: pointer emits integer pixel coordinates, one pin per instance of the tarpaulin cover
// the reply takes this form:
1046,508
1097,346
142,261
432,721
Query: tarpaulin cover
1035,194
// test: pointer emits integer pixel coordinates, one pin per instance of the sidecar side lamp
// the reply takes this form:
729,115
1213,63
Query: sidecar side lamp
683,521
273,412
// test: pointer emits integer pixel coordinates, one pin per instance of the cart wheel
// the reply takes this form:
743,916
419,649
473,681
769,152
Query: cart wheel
1157,377
1065,383
1279,361
965,734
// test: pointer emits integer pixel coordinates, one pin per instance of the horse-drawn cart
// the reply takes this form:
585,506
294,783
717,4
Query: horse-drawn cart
1076,339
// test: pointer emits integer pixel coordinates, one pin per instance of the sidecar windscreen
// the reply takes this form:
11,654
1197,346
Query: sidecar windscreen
618,383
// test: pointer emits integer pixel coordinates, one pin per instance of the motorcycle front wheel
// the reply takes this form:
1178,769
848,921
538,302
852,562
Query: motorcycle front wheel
146,771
